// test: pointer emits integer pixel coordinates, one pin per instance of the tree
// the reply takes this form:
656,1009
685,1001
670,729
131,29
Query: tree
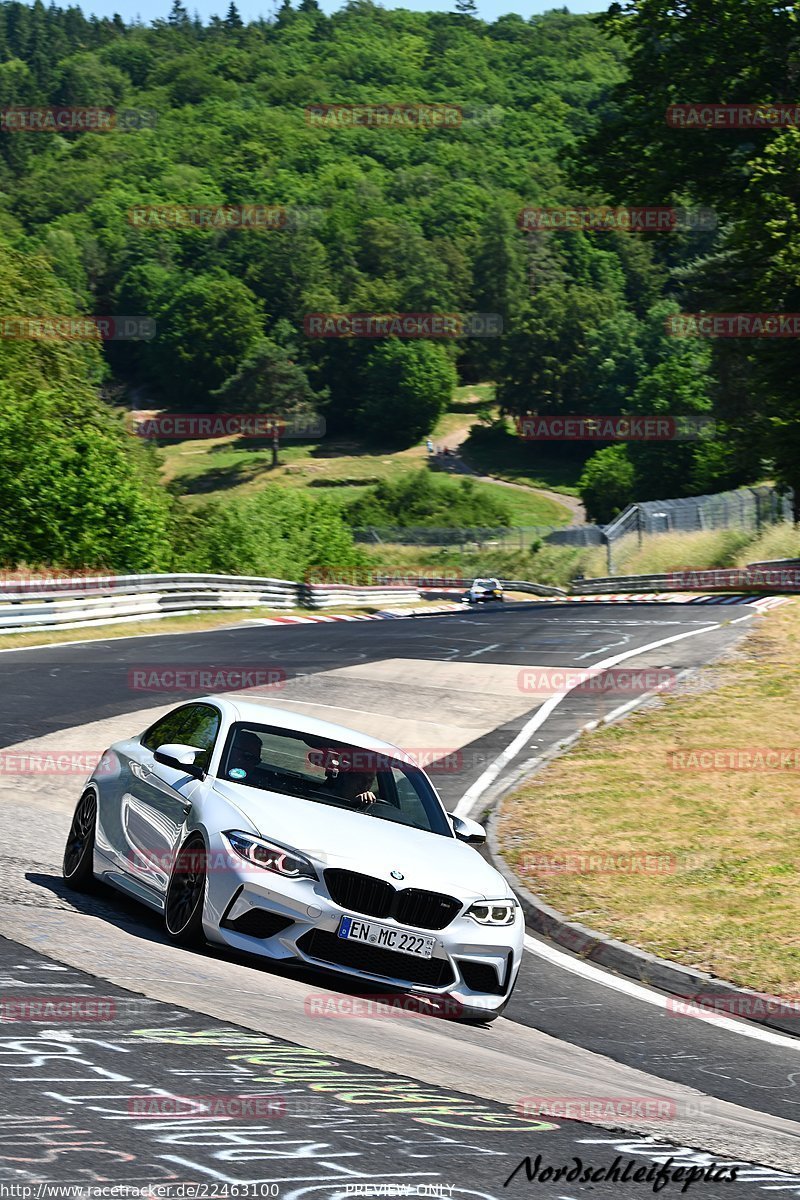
75,489
178,16
607,483
270,382
499,284
232,18
204,334
676,54
554,350
405,388
285,14
734,53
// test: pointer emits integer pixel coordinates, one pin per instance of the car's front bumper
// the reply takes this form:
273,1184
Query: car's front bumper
263,913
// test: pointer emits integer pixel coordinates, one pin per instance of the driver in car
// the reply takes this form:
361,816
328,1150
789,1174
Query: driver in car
353,786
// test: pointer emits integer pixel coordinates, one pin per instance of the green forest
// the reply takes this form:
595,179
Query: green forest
555,110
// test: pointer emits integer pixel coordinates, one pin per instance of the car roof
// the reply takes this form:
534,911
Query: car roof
267,714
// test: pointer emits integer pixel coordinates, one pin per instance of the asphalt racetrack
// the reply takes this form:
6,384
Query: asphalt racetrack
398,1102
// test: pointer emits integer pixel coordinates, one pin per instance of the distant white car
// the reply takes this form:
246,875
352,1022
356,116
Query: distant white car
293,838
482,590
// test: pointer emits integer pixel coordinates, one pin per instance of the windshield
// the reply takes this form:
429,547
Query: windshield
334,773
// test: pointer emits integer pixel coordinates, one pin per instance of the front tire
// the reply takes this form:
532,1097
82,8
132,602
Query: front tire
78,866
186,893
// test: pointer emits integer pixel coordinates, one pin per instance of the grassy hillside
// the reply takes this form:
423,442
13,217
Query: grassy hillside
339,468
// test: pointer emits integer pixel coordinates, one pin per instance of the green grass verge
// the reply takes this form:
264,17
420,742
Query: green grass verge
728,841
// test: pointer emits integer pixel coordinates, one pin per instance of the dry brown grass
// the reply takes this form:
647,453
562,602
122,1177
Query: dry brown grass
731,905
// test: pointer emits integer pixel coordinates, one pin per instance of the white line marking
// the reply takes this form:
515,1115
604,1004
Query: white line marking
474,793
482,650
636,990
600,649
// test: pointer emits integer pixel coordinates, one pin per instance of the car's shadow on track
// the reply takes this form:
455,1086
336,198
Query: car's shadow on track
136,919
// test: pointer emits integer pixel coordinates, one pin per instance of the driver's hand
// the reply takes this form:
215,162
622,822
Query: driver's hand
366,798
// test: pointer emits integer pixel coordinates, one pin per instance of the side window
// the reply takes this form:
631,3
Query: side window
409,801
193,725
165,730
203,732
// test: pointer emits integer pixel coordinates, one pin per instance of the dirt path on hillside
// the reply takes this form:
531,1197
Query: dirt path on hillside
459,466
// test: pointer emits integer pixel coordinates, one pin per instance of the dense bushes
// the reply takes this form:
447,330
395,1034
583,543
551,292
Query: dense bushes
421,498
279,532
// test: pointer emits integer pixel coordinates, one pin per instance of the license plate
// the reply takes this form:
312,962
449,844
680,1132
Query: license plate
386,937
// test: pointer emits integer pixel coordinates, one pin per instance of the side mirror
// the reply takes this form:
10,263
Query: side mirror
468,831
181,758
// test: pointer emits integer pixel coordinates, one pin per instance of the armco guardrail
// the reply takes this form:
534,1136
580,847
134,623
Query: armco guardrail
773,563
75,602
533,589
82,586
328,595
756,577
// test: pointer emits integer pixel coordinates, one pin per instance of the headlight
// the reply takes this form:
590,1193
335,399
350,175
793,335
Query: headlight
272,858
494,912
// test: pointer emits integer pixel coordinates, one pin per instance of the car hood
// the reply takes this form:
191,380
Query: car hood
334,837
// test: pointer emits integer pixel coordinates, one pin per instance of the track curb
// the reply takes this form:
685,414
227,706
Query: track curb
685,983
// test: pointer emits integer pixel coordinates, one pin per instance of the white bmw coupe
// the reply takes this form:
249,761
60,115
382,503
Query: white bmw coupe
292,838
